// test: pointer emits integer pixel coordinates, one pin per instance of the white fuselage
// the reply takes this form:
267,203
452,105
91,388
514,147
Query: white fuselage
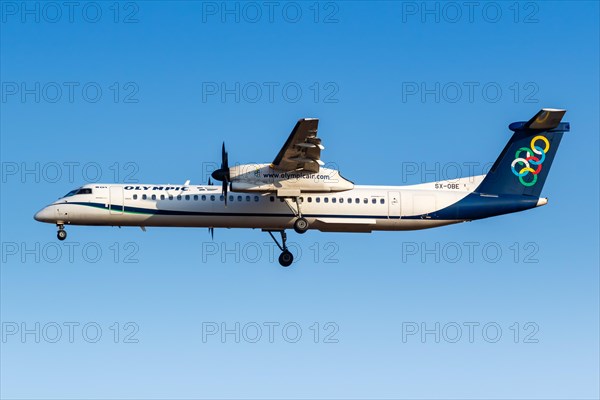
361,209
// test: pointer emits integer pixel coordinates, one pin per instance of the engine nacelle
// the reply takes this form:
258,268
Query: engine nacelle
262,178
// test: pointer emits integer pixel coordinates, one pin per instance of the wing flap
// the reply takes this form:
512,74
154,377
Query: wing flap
346,221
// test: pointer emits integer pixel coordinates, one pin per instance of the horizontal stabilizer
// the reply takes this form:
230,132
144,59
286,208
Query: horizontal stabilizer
546,119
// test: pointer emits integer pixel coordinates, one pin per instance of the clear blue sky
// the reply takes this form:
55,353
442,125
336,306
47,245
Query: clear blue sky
405,92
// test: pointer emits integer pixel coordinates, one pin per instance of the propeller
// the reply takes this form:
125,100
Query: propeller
222,174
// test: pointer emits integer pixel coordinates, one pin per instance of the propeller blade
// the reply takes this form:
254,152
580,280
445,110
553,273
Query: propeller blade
209,181
224,158
212,233
224,191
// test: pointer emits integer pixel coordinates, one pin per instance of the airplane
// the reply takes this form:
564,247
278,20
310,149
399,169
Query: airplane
297,191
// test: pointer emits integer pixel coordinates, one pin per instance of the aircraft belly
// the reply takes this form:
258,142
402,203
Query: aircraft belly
98,215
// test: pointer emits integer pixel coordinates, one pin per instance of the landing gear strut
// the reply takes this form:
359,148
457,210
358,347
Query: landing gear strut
301,224
285,258
61,234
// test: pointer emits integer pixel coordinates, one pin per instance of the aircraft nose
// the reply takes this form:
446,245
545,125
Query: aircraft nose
44,215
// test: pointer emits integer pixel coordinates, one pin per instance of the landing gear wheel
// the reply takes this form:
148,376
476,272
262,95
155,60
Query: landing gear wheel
301,225
61,234
286,258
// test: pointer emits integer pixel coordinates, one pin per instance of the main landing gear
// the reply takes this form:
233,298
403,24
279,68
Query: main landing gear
61,234
285,258
301,224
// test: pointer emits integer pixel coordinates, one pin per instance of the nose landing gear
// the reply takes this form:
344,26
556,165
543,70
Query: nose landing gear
61,234
285,258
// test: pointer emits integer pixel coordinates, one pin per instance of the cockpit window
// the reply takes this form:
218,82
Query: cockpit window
79,191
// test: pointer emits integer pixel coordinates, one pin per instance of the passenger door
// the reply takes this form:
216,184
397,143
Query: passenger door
393,205
116,200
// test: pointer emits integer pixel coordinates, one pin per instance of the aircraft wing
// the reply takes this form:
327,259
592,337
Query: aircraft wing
302,149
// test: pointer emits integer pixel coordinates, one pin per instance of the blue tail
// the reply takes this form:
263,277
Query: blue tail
524,164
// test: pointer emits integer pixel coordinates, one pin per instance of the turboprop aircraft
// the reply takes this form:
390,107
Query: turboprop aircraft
297,191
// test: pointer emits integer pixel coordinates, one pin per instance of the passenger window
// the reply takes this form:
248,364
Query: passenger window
374,201
203,197
187,196
162,196
272,198
349,200
135,196
195,197
357,200
333,200
382,201
256,198
230,198
239,198
341,199
221,197
281,199
247,198
178,197
170,197
144,197
326,199
318,199
309,199
366,201
212,198
153,197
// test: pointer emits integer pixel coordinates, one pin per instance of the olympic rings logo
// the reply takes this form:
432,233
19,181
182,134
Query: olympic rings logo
535,156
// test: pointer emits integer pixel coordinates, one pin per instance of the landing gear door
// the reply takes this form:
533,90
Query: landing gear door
116,200
393,205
